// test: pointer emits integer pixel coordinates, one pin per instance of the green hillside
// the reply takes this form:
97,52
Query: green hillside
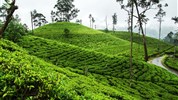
85,37
113,44
85,65
172,62
152,43
149,81
26,77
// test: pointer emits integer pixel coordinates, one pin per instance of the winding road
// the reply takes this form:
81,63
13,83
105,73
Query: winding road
158,61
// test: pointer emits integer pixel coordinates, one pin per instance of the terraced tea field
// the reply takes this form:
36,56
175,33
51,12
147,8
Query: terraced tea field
152,43
82,36
88,64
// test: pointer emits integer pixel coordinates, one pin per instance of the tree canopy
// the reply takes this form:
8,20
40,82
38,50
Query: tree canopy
65,10
38,18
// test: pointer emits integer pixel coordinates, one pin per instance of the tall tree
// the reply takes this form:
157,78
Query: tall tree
93,21
53,16
127,9
65,10
142,6
38,18
114,19
130,4
11,7
106,20
90,17
160,14
31,13
176,35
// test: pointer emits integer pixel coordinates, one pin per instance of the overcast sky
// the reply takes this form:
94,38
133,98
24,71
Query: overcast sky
99,10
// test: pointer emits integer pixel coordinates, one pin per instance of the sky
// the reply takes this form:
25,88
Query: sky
100,9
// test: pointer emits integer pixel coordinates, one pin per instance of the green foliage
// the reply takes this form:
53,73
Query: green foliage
38,18
151,43
65,11
26,77
66,33
15,30
85,37
90,65
172,62
112,44
110,71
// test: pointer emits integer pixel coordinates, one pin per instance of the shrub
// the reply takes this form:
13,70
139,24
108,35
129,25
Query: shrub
66,33
15,30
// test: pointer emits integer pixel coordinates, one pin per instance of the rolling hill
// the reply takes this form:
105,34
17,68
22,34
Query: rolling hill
112,44
83,37
152,43
26,77
107,69
87,64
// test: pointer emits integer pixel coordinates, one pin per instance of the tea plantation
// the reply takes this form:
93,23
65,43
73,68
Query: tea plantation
85,64
152,44
113,44
172,62
104,68
26,77
85,37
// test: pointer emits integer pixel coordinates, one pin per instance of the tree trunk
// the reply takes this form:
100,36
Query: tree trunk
159,32
113,28
106,23
32,21
8,18
145,29
90,22
131,46
143,35
175,51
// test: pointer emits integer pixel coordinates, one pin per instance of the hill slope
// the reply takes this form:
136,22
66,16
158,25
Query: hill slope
152,43
110,70
112,44
84,37
26,77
